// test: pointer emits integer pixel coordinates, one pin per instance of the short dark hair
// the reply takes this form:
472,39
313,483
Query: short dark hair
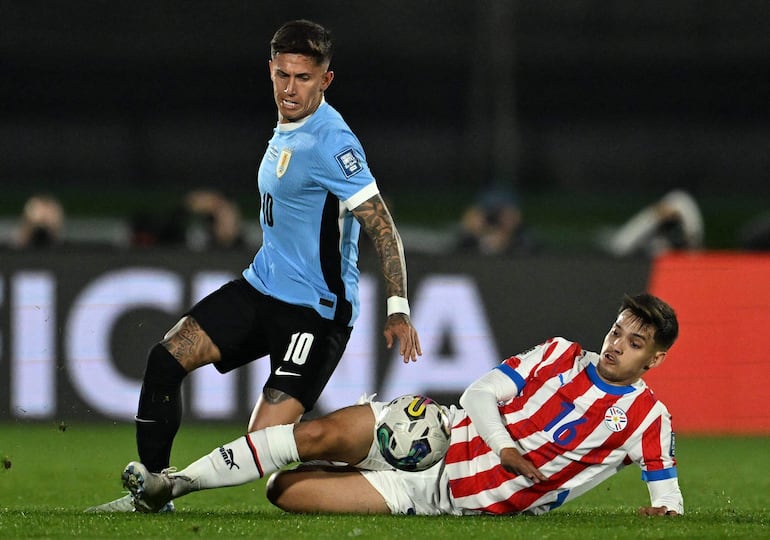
655,312
303,37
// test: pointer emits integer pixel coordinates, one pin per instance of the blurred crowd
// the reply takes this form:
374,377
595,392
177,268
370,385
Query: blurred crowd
493,224
203,220
41,223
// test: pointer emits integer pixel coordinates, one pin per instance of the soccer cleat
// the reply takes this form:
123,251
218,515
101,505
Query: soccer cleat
151,492
125,504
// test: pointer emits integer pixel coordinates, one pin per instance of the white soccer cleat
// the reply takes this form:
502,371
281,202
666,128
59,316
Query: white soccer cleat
151,492
123,504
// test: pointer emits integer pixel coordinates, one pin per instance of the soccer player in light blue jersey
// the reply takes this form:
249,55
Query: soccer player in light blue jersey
298,299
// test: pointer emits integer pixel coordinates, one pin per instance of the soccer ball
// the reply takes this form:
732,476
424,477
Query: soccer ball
413,433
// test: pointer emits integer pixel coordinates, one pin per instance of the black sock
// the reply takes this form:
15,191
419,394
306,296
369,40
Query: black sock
160,408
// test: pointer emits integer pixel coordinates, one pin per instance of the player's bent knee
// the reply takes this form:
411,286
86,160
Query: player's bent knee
312,439
190,344
279,491
274,488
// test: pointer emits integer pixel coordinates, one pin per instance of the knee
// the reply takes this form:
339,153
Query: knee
190,344
313,438
275,487
344,435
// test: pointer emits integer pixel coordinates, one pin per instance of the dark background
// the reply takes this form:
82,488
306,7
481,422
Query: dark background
523,304
588,108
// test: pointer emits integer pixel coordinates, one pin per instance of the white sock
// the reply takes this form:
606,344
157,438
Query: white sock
243,460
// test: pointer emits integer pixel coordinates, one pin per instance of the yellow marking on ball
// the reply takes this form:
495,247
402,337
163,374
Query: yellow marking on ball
416,407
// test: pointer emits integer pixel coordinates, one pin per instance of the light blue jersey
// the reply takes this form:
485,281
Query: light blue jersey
312,175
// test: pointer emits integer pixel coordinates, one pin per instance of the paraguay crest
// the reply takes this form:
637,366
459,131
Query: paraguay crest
283,162
615,419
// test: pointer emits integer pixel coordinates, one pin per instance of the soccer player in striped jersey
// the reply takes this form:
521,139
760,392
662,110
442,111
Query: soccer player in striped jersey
298,299
537,431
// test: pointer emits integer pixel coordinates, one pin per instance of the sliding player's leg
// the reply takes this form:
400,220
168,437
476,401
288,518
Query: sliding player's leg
310,489
345,435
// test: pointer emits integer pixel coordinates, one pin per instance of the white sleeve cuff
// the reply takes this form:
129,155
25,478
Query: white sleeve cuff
362,196
666,493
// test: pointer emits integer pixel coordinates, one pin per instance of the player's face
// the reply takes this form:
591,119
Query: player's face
628,351
298,85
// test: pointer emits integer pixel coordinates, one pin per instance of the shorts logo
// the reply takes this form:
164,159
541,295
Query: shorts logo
280,371
348,162
283,162
615,419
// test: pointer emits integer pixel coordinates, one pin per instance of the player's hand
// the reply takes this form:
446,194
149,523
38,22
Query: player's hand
399,326
512,461
657,511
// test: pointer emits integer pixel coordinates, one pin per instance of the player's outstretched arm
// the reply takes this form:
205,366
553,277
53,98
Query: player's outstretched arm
378,224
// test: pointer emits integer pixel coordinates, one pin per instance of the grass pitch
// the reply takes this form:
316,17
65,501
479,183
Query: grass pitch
51,472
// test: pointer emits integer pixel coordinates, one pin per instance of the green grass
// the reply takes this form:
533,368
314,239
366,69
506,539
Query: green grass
55,473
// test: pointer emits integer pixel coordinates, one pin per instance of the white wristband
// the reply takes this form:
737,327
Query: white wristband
398,304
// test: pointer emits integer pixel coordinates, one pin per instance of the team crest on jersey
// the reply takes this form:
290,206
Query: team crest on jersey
283,162
615,419
349,162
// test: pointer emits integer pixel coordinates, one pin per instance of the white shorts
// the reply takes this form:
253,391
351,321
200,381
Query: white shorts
423,493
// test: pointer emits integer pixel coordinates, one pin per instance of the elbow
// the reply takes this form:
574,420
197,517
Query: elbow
466,398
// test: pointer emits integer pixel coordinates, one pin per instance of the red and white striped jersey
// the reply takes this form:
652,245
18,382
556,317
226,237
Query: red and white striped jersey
577,429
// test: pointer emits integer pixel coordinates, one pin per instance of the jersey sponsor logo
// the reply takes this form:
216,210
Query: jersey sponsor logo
283,162
348,162
280,371
615,419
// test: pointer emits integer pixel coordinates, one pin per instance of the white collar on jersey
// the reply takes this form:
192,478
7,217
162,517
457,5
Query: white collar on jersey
291,126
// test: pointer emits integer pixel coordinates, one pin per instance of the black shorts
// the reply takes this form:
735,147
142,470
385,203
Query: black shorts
245,324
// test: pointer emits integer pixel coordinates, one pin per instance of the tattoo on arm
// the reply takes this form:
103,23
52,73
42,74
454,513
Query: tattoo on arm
378,224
